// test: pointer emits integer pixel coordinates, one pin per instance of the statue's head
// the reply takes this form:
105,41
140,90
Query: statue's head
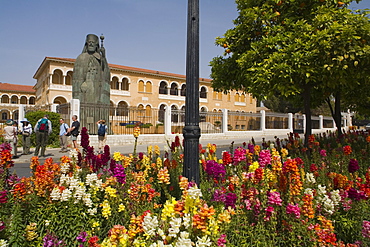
91,44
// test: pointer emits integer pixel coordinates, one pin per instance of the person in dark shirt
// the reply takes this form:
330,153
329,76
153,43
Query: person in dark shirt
74,130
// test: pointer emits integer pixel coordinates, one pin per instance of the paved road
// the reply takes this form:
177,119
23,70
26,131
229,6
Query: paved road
21,165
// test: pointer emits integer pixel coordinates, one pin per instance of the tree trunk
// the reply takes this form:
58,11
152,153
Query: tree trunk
307,109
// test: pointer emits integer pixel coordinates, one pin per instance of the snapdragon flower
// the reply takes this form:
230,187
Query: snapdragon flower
150,224
310,178
194,192
66,194
55,194
184,240
203,241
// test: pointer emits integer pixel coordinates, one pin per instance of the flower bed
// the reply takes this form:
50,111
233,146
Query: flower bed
276,194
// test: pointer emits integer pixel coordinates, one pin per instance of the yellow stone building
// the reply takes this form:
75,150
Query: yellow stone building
137,87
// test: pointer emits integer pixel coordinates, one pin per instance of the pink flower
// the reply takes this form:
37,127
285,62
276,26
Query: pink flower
269,211
264,158
323,152
273,198
294,210
222,240
366,229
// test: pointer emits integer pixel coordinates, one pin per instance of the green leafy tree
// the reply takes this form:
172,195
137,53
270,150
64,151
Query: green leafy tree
296,48
33,117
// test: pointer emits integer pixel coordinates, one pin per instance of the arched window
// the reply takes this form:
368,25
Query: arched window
174,90
236,98
174,114
148,87
23,100
32,100
203,114
60,100
183,90
69,77
57,77
148,111
141,86
242,97
162,109
122,109
14,99
4,116
163,87
114,84
203,93
125,84
5,99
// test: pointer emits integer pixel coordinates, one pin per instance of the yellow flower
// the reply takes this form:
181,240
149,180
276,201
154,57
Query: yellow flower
284,152
121,208
95,224
111,191
159,162
136,131
253,166
156,150
117,156
106,211
169,209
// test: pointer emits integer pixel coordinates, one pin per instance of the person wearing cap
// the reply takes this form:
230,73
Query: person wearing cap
10,136
26,136
42,129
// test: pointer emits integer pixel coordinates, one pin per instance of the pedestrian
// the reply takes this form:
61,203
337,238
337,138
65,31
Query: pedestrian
10,136
42,129
26,136
74,130
102,135
15,126
63,136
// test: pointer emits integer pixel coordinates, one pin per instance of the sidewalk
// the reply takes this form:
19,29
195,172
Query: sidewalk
127,149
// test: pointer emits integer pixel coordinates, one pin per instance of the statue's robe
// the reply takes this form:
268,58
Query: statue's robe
91,79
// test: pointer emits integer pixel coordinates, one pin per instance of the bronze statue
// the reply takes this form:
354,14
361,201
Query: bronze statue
91,74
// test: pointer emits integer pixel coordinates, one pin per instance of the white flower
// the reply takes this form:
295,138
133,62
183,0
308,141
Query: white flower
79,192
204,241
194,192
310,178
73,153
55,194
64,167
3,243
47,222
321,190
187,219
150,224
328,204
308,191
92,211
175,226
183,240
335,197
66,194
87,200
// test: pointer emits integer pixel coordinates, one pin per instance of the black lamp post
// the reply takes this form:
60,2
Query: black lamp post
191,130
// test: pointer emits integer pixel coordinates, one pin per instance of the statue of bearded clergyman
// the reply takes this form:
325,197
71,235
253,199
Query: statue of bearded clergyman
91,74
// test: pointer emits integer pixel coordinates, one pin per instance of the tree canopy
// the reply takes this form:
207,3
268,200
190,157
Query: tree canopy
306,48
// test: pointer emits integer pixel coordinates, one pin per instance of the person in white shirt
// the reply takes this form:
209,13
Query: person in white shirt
10,136
63,136
26,136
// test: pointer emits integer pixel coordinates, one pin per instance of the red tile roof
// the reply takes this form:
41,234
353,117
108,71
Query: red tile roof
16,88
128,68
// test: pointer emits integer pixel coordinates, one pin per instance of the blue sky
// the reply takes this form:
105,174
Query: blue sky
149,34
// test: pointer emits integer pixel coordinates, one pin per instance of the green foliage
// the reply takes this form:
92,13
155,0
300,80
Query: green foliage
33,117
305,48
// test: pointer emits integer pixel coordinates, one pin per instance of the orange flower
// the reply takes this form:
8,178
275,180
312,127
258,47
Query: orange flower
368,138
347,150
307,207
163,176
